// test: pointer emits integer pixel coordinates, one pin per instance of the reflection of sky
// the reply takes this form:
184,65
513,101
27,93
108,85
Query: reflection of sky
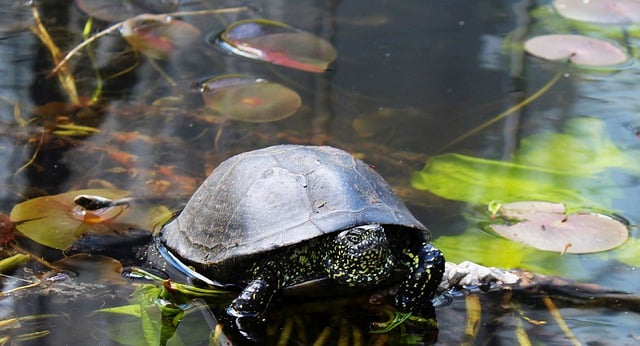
613,98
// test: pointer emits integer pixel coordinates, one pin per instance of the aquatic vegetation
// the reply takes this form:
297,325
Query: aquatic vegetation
578,49
58,221
93,268
564,167
158,36
250,99
476,180
548,226
163,35
619,12
572,168
277,43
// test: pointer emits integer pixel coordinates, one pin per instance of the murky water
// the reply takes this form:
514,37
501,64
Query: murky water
410,78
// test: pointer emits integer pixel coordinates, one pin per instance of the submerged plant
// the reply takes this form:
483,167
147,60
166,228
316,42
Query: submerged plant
248,99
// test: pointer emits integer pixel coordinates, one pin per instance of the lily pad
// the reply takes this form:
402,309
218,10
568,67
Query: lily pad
600,11
546,226
158,36
93,268
581,50
117,10
57,221
278,44
249,99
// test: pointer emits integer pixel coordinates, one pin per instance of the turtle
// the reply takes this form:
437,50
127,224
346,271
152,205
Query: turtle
283,215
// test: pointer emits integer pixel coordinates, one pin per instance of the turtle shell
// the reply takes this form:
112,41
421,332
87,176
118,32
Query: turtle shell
280,196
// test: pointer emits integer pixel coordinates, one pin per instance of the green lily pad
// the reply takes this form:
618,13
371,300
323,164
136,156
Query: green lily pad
277,43
158,36
547,226
57,221
249,99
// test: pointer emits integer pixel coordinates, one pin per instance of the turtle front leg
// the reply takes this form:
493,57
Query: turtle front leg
426,265
253,300
245,314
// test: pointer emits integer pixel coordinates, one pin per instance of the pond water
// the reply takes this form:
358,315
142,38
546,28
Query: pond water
410,80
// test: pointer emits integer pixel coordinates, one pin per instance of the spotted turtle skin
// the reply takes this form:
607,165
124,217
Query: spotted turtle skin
284,215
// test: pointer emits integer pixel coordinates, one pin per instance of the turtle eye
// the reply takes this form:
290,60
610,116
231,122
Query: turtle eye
354,238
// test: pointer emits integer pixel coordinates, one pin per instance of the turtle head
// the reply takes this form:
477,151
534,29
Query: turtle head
359,256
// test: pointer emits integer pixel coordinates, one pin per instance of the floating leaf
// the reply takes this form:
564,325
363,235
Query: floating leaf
278,44
546,226
158,36
249,99
117,10
10,263
600,11
93,268
56,221
581,50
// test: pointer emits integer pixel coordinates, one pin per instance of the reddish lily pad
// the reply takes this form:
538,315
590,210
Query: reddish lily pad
600,11
582,50
158,36
117,10
57,221
278,44
546,226
249,99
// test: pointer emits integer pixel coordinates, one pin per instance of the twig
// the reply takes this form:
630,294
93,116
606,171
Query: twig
117,26
216,11
506,113
84,43
33,157
34,257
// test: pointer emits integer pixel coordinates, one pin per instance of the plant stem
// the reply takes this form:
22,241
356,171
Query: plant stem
504,114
